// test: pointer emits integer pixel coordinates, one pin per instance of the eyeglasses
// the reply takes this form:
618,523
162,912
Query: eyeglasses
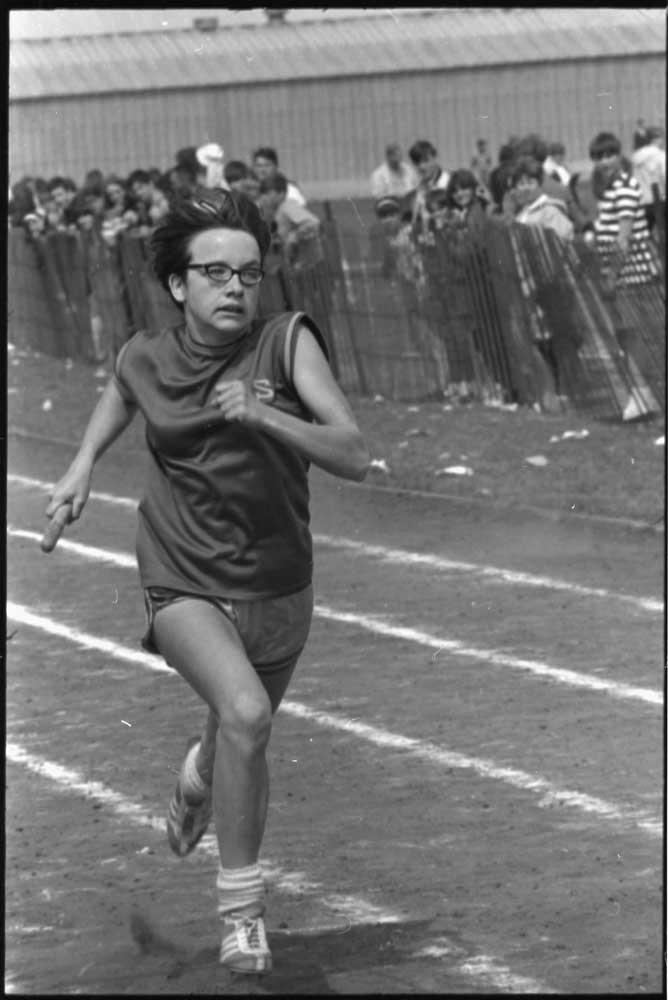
220,274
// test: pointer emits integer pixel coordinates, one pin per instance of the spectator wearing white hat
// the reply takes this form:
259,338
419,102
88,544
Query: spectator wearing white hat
211,157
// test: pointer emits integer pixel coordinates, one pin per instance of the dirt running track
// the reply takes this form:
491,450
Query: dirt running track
467,773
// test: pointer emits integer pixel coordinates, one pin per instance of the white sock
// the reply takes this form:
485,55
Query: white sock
241,891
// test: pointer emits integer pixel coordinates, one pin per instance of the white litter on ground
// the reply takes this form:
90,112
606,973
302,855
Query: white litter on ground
380,464
573,435
454,470
537,460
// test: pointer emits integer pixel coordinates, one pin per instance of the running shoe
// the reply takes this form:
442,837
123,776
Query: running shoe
187,821
244,946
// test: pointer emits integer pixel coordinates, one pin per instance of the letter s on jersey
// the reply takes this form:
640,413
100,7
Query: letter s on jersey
263,390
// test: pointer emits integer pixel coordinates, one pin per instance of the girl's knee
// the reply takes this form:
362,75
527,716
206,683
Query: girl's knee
245,720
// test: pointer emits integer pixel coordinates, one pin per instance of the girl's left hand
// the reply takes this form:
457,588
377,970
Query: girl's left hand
236,402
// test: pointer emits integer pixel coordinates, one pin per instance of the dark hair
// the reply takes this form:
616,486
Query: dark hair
604,144
527,166
94,189
556,149
235,170
81,205
140,176
187,162
387,207
266,153
461,179
208,208
532,145
63,182
421,150
22,201
278,183
507,153
94,176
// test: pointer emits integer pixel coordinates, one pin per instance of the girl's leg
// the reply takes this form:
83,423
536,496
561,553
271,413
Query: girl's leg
202,644
275,684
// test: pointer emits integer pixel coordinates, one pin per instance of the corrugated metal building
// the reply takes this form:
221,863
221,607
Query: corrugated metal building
329,95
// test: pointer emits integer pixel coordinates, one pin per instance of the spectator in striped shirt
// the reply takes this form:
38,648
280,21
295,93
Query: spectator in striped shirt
623,240
621,231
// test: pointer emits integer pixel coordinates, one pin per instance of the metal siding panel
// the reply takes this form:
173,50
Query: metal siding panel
332,130
448,38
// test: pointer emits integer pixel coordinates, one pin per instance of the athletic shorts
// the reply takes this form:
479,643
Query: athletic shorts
273,630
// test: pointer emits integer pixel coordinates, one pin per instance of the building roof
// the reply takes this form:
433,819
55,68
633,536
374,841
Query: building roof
435,39
61,23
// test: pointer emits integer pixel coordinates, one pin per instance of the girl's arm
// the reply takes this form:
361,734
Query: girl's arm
110,417
334,442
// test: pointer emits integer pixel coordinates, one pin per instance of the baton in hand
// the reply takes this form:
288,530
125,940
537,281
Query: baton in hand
55,527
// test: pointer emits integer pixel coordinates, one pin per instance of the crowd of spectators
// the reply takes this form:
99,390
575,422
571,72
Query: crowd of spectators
530,183
112,203
617,206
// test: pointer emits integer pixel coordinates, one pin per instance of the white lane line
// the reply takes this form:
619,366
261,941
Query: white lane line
46,487
403,557
549,793
383,627
355,909
572,678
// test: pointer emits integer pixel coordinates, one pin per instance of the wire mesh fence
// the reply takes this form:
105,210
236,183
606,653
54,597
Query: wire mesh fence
498,313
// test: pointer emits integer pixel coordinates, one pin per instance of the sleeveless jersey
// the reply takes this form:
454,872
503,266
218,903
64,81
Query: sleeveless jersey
225,509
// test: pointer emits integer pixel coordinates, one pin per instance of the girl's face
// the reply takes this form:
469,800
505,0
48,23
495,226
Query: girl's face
527,190
215,311
609,164
35,225
250,186
159,207
115,194
462,197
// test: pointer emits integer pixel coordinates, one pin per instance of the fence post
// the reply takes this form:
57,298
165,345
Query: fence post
339,285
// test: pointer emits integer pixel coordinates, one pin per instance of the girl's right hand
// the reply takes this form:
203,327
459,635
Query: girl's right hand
66,503
72,489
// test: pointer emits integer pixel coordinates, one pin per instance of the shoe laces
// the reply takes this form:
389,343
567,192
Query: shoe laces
252,933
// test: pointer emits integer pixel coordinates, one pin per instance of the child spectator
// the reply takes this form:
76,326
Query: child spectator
481,163
235,173
534,206
62,190
395,177
424,157
621,230
297,230
554,163
499,178
466,200
210,157
265,165
649,169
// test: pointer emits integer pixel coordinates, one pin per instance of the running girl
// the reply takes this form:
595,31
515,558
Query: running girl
236,408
